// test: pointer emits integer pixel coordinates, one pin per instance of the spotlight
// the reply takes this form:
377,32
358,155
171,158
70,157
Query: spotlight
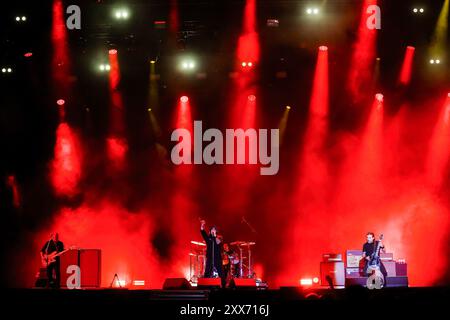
312,11
104,67
152,61
187,65
323,48
28,54
112,51
3,70
252,97
379,97
250,64
121,14
60,102
21,19
288,107
435,61
9,70
306,282
415,10
149,109
315,280
184,99
244,64
421,10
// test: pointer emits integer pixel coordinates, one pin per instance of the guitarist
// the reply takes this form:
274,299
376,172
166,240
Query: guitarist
368,250
51,246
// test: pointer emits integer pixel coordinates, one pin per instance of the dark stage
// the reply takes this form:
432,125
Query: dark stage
285,303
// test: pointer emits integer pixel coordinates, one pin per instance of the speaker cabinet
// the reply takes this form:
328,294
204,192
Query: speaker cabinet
68,258
401,269
209,283
176,284
90,265
390,268
89,262
334,271
243,283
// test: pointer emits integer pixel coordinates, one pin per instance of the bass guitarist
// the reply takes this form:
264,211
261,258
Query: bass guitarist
369,249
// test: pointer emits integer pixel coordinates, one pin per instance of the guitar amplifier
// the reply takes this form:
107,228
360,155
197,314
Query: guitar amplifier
89,261
401,269
90,265
333,271
68,258
390,268
386,256
353,272
353,258
329,257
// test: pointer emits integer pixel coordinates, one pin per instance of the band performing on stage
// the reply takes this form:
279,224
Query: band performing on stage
214,258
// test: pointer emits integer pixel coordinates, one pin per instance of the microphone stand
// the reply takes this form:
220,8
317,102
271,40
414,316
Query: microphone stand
248,224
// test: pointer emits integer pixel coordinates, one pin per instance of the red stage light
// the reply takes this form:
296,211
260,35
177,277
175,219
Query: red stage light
323,48
406,71
60,102
28,54
184,99
379,97
251,97
112,51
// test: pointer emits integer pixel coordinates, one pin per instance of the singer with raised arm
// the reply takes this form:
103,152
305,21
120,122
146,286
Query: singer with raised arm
213,267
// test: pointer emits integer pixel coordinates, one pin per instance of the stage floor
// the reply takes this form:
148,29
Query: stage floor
246,304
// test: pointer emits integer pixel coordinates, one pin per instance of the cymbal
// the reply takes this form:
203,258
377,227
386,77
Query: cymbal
198,243
242,243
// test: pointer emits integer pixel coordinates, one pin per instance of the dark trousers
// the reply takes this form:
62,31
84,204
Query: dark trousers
53,274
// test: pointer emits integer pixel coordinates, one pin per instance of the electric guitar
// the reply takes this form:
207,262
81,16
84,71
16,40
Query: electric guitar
376,279
48,259
375,261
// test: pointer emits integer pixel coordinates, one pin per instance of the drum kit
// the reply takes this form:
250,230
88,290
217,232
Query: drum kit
239,256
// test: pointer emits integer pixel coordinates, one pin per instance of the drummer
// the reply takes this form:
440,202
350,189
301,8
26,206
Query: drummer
230,262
